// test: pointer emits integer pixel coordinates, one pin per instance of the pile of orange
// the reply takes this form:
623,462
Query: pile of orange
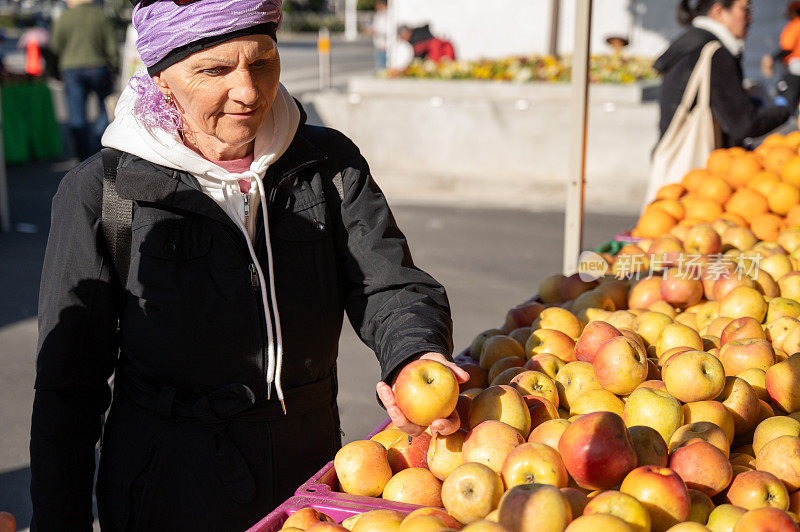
759,190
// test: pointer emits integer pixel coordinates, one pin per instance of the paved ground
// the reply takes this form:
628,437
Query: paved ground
488,259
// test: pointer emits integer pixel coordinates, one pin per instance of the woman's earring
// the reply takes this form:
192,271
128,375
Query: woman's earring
170,100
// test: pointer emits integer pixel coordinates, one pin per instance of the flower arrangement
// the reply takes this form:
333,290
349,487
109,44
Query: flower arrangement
603,69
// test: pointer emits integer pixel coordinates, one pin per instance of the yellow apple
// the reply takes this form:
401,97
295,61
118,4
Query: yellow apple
534,508
620,365
501,403
414,485
573,380
362,468
489,443
444,453
471,491
534,463
783,383
694,376
713,412
772,428
426,390
620,505
653,408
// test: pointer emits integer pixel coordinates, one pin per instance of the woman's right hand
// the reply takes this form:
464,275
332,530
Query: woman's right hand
767,65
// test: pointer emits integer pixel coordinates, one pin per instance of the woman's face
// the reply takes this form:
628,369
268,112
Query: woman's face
736,19
224,94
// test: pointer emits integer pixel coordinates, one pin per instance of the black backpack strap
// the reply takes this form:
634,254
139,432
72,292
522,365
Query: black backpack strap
117,217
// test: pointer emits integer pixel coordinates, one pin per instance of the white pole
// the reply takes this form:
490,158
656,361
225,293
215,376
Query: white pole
351,20
555,8
573,223
5,215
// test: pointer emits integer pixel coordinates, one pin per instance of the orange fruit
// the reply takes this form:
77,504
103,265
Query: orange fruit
693,179
776,158
672,207
774,140
690,222
783,197
793,217
791,171
736,151
7,522
735,218
718,162
766,226
654,223
702,209
715,188
747,203
763,181
673,191
742,168
761,153
792,140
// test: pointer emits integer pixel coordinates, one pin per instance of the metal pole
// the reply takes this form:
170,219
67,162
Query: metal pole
351,20
555,8
324,49
573,223
5,215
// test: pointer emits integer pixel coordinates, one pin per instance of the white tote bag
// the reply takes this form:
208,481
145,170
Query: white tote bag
692,135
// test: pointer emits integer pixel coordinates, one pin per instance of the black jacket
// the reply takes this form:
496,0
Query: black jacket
736,114
191,442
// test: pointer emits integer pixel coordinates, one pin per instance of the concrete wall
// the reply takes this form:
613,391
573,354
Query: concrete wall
495,143
481,29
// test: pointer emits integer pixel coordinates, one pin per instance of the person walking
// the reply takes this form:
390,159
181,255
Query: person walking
789,55
735,115
249,235
85,43
379,30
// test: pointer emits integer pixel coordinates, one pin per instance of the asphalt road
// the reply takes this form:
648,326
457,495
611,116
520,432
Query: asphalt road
489,260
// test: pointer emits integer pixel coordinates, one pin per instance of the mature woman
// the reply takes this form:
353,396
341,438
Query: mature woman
726,21
252,234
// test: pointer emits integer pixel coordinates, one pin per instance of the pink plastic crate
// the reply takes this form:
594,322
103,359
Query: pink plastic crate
625,236
338,511
324,485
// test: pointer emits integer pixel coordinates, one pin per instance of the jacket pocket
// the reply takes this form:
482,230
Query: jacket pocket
305,223
126,464
174,239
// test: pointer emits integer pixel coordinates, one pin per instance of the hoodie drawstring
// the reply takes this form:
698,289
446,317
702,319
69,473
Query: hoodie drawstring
274,337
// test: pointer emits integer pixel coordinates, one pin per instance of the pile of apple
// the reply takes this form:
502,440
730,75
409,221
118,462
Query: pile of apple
665,403
668,400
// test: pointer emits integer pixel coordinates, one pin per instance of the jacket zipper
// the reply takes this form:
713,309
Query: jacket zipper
246,199
253,276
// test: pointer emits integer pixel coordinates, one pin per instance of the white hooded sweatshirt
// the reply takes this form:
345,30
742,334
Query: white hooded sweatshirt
126,133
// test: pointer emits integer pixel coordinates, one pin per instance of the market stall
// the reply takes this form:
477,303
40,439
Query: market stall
652,386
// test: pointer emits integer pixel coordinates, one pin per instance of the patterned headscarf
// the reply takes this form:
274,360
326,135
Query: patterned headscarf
169,33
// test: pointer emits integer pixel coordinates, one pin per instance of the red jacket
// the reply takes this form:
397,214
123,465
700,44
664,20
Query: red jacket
434,49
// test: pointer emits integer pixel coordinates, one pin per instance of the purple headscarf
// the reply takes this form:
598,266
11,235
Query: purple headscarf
169,33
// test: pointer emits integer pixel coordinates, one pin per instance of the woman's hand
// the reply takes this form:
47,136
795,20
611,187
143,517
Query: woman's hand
767,66
441,426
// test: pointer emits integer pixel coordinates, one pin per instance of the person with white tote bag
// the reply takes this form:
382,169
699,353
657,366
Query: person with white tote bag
703,103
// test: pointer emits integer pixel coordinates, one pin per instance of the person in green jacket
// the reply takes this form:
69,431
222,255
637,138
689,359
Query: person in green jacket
86,46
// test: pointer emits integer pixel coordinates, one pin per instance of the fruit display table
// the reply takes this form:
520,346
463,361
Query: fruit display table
660,394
